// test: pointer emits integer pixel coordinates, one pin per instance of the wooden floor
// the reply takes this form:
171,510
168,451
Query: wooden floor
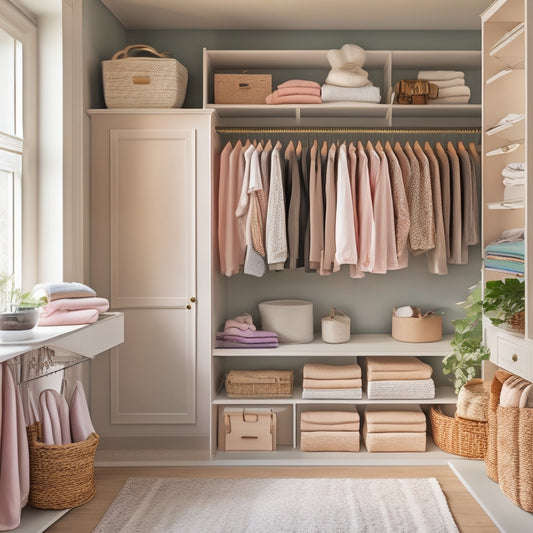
468,515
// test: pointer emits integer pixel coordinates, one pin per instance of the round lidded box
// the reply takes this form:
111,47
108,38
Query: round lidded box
292,320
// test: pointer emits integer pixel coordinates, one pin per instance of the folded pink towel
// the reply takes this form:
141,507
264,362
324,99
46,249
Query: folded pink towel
69,318
355,383
81,425
287,91
55,418
74,304
242,322
299,83
64,289
274,98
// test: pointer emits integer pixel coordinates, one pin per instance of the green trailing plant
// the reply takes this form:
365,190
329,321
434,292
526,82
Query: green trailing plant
464,363
12,298
502,299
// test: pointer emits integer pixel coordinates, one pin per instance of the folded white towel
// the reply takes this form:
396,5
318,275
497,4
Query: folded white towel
451,100
409,389
458,90
514,182
345,78
454,82
334,93
317,394
514,193
432,75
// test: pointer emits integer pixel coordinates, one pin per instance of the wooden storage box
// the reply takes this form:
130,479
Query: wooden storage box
417,329
259,383
248,431
242,88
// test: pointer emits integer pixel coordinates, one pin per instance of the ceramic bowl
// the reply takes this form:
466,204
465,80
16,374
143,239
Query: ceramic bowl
18,325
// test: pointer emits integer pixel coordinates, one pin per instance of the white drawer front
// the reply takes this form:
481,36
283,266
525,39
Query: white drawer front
513,357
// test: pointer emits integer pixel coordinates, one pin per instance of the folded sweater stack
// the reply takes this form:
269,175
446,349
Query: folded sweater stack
399,378
69,303
332,381
295,92
394,429
329,431
240,332
451,84
514,182
507,253
347,81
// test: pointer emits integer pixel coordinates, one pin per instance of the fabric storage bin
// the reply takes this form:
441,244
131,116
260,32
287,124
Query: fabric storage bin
249,430
292,320
473,400
61,475
459,436
242,88
143,82
259,383
417,329
336,327
515,454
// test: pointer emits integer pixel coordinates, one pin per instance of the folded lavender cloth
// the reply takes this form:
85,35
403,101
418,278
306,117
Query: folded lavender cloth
248,333
242,322
246,340
232,344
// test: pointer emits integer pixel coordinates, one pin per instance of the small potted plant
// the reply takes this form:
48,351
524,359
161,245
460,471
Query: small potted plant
19,311
464,363
504,303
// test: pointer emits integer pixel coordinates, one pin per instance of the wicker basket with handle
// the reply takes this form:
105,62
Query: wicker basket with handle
61,475
143,82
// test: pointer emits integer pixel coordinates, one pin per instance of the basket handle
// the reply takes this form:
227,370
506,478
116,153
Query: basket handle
125,52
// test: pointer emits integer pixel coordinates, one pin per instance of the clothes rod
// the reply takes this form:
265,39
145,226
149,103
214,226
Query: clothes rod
223,129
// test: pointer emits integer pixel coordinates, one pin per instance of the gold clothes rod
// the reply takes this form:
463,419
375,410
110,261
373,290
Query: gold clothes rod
223,129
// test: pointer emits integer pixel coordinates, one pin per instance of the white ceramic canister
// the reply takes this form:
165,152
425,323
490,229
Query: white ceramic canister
336,327
292,320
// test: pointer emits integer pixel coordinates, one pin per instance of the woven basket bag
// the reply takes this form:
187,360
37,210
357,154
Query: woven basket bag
491,458
61,475
473,399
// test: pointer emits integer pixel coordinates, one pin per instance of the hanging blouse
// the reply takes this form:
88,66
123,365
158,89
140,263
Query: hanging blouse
355,270
302,154
365,212
327,263
468,177
437,263
401,207
345,244
422,229
265,169
444,172
404,165
276,235
476,176
384,216
292,179
458,251
316,208
225,216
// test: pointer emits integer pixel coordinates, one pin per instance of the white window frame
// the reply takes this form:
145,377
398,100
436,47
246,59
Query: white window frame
24,29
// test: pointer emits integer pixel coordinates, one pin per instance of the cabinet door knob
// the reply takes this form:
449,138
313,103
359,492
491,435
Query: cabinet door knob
192,299
189,306
514,357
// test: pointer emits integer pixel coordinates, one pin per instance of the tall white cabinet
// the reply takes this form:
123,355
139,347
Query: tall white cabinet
146,201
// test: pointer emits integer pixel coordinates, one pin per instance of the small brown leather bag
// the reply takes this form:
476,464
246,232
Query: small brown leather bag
415,92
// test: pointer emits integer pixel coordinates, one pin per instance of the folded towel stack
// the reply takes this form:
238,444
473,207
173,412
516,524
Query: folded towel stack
394,429
507,253
332,381
295,92
329,431
451,84
516,392
240,332
69,303
347,81
399,378
514,182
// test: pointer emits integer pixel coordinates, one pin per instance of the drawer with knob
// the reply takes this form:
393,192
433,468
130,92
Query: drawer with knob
514,357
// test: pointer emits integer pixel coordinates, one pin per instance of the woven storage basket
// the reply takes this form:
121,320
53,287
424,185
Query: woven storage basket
515,455
491,458
518,322
467,438
143,82
61,475
259,383
473,399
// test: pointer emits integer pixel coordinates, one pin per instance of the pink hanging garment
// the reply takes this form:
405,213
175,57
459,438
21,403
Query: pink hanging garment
365,212
223,204
55,411
445,187
355,270
14,453
328,263
458,247
292,178
81,425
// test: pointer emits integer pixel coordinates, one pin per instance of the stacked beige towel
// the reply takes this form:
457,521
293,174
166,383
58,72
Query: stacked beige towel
332,381
394,429
451,84
329,431
399,378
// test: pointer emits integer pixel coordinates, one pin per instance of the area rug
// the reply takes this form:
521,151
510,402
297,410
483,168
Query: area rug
278,505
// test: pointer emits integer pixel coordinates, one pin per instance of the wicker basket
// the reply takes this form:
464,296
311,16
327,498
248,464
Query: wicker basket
518,322
472,402
491,458
467,438
61,475
143,82
259,383
515,455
